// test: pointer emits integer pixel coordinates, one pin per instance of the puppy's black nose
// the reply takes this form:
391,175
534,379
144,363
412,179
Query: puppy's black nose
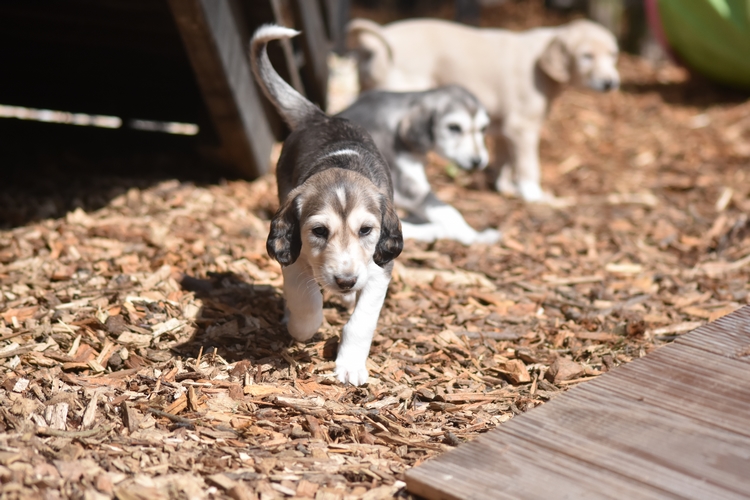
608,85
476,163
346,282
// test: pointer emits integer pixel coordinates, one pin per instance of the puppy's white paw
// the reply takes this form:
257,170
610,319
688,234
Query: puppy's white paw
489,236
531,191
354,372
469,237
505,186
426,232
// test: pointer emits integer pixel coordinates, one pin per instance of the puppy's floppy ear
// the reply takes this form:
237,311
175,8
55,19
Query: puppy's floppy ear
391,240
556,60
415,129
284,240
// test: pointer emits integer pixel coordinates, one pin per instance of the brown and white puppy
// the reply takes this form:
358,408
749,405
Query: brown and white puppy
337,228
515,75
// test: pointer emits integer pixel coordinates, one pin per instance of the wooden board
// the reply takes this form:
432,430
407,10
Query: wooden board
218,54
309,19
675,424
141,70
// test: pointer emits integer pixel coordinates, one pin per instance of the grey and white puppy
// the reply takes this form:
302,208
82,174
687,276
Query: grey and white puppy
406,126
336,227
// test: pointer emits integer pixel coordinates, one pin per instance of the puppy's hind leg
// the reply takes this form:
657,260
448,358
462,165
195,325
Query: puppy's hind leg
502,172
523,143
427,232
452,224
303,313
505,183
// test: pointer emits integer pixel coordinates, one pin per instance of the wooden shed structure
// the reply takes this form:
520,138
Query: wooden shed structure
156,62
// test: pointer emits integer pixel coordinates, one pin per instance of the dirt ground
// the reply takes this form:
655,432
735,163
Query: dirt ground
142,352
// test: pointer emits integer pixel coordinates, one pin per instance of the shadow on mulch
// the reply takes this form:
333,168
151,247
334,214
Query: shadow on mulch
48,170
241,321
695,91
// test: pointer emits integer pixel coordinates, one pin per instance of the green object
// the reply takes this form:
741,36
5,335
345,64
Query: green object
711,36
451,170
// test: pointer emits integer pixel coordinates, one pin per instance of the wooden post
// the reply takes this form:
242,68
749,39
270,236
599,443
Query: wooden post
308,19
337,15
219,56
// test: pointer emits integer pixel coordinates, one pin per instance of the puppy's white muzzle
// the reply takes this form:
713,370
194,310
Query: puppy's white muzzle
604,84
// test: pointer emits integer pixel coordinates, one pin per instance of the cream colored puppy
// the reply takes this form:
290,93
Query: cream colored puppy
515,75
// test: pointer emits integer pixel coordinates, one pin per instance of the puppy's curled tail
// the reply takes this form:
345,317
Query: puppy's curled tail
360,25
294,108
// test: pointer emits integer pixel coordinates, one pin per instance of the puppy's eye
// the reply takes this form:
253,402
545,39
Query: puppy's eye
483,129
320,232
365,230
587,55
455,128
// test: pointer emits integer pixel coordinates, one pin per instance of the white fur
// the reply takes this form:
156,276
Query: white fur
341,152
358,331
304,315
304,302
318,267
338,259
467,146
411,186
413,193
445,222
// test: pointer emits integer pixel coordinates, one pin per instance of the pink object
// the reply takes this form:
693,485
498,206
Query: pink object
654,22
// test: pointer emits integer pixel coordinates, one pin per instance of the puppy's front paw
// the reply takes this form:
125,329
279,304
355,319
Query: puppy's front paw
505,186
489,236
531,191
353,372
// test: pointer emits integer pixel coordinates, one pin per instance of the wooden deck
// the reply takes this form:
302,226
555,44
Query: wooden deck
674,424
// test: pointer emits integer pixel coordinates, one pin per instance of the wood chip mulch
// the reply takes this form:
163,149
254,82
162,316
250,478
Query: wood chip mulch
143,358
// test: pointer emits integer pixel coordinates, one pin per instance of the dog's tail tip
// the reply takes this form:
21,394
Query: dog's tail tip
360,23
294,108
269,32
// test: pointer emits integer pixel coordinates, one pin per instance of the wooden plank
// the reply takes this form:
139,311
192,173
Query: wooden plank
253,15
686,365
473,469
337,14
687,402
705,373
587,449
219,58
309,19
295,80
669,452
727,336
670,425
